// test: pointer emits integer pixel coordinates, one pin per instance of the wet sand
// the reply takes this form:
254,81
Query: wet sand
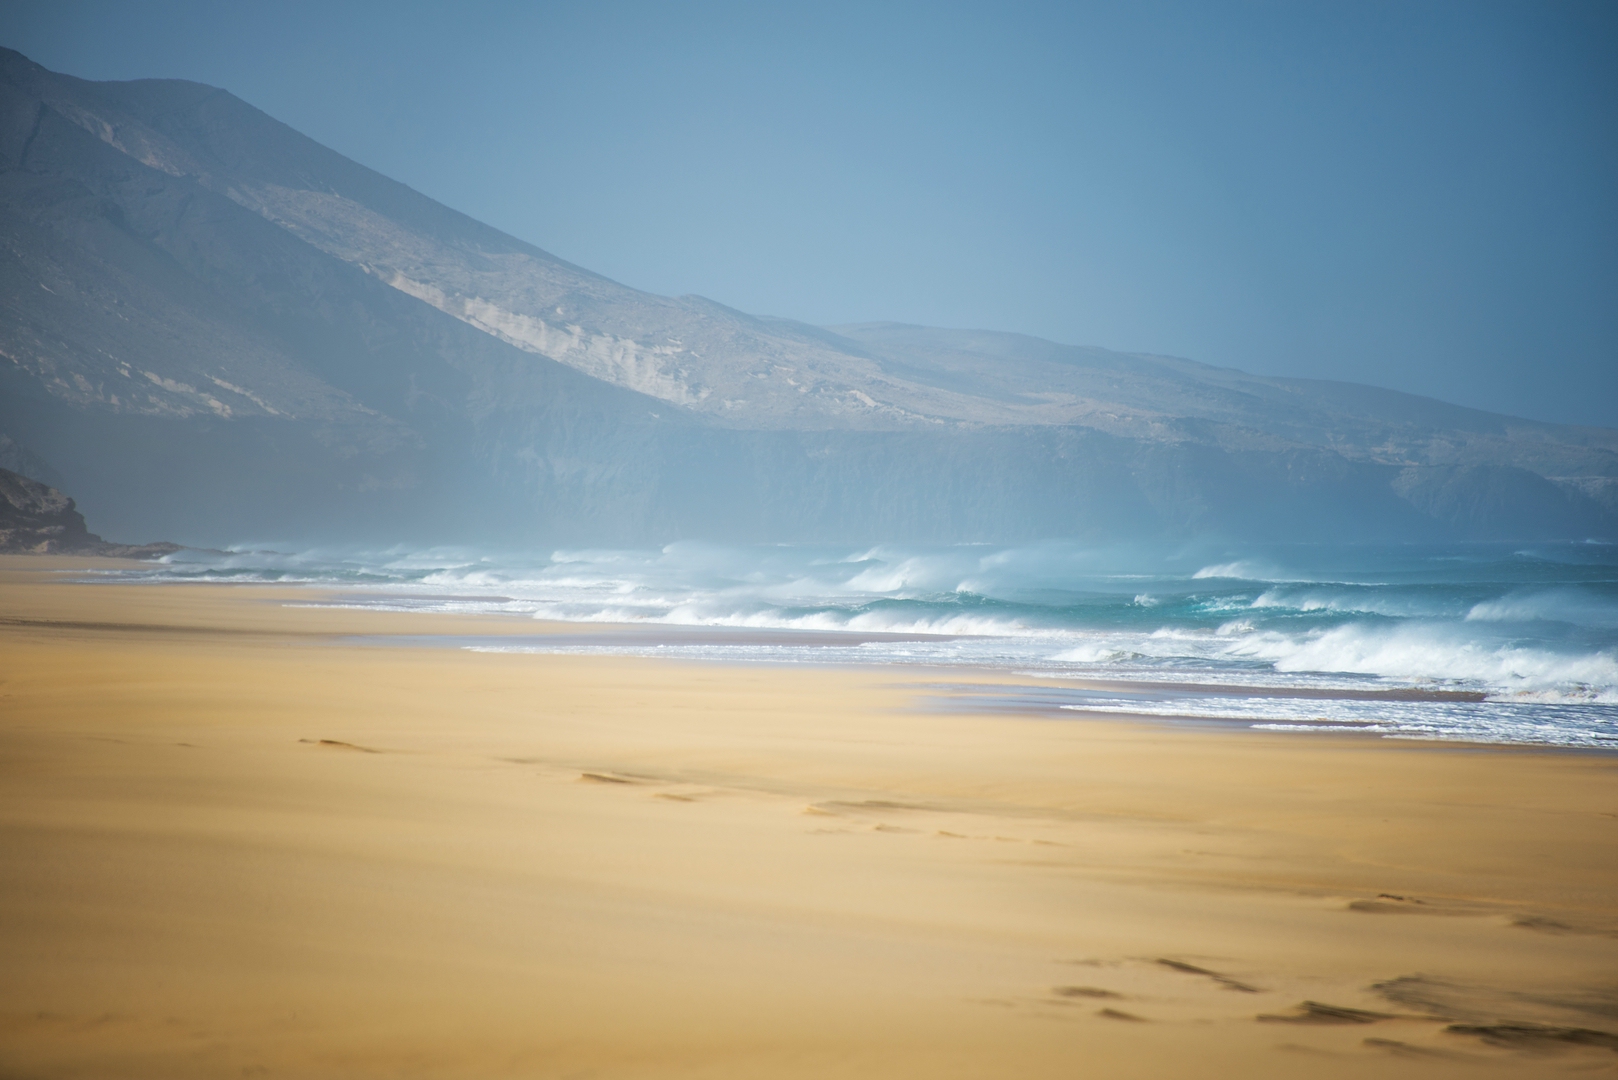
235,842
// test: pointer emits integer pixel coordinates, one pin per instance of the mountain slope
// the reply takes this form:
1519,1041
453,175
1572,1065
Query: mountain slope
218,328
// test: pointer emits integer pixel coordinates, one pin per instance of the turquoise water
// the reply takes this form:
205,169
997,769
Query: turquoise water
1503,643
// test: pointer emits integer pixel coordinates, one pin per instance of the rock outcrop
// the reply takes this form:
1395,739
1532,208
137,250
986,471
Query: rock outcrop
39,520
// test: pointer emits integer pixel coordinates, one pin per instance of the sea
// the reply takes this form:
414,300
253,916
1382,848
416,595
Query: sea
1480,643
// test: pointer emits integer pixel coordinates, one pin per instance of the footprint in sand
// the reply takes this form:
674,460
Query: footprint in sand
1223,980
604,778
338,744
1315,1012
1118,1014
1083,992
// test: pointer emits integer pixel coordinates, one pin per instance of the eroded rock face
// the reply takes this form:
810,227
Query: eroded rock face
37,519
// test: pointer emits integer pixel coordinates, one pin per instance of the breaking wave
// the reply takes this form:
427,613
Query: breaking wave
1529,635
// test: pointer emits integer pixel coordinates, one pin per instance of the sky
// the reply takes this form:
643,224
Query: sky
1416,195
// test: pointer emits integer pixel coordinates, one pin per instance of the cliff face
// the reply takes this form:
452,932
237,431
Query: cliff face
213,327
37,519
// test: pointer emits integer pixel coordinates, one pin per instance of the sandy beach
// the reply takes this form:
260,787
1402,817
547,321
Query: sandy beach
235,841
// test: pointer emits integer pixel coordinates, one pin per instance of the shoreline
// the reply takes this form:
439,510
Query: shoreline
236,840
511,632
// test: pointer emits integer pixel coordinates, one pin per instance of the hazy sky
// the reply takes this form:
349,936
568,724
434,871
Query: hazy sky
1418,195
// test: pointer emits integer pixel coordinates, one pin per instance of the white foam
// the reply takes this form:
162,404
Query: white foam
1427,652
1240,570
1570,605
1063,610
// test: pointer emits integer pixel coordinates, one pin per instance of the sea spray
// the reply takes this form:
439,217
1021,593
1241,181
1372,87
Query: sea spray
1531,635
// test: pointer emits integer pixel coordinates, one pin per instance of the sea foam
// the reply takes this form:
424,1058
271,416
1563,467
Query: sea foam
1532,637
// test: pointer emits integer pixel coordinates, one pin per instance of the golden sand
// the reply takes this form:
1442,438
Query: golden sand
234,842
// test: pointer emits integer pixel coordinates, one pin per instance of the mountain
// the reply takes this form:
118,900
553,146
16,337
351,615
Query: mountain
215,328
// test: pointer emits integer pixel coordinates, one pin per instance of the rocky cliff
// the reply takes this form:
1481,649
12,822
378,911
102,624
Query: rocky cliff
39,520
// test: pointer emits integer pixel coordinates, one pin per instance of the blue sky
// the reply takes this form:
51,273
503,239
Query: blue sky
1417,195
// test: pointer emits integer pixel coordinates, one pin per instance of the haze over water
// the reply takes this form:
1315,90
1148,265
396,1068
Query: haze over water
1481,642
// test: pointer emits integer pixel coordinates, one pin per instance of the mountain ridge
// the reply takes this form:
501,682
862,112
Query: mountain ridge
211,278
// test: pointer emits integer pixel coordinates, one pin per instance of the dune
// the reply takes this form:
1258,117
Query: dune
246,838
